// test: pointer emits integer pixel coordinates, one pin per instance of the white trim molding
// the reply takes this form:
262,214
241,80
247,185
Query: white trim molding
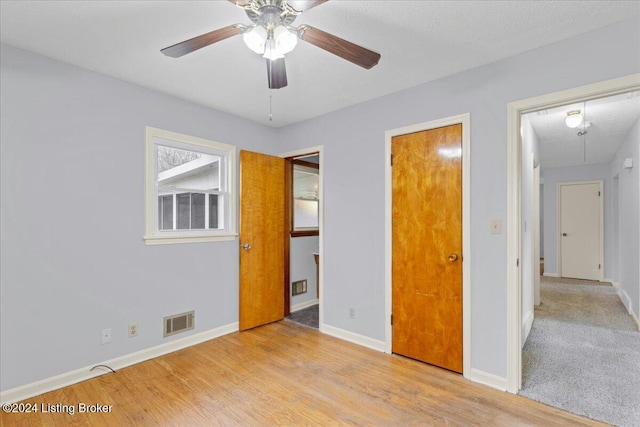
514,233
486,378
303,305
43,386
465,121
354,338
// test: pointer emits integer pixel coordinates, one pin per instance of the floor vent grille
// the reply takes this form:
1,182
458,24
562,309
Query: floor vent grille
179,323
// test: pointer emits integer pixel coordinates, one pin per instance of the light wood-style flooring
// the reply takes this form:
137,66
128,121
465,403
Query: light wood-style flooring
286,374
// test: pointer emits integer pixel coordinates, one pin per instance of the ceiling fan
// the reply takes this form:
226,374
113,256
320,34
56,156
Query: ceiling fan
272,36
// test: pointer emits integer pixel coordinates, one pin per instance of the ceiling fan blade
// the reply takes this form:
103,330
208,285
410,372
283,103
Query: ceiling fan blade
188,46
276,73
344,49
302,5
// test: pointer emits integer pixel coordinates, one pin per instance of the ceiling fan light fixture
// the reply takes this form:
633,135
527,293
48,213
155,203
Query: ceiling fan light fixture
574,118
285,39
271,52
256,39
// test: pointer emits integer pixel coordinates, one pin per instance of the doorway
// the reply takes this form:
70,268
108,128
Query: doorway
514,226
397,338
266,221
305,192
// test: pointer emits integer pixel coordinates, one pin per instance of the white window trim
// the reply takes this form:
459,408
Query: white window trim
151,236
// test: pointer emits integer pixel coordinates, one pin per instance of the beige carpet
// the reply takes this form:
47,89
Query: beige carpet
583,352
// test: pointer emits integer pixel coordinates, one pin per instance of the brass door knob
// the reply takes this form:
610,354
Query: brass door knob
452,257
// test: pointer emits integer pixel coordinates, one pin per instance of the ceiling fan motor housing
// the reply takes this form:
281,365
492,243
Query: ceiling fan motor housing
270,13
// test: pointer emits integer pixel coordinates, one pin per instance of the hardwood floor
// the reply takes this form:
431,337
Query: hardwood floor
286,374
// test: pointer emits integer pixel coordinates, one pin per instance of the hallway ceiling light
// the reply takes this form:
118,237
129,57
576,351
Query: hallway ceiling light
574,118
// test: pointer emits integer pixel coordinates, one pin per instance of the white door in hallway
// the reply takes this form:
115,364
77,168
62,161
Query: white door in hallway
580,230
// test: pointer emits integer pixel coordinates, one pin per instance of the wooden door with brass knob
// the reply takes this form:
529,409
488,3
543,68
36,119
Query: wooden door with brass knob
427,246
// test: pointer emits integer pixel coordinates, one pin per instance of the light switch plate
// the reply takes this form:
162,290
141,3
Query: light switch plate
496,226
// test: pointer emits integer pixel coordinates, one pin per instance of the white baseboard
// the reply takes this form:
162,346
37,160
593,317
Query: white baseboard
353,337
303,305
628,304
607,281
527,323
626,301
43,386
615,284
486,378
635,319
550,274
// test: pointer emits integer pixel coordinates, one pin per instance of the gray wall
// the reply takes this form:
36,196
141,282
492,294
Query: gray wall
72,255
553,176
628,236
303,266
354,138
530,151
74,137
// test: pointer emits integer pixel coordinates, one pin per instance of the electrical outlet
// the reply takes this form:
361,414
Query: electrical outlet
133,329
106,335
352,313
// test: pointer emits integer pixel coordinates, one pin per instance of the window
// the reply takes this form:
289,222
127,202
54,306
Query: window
189,189
305,197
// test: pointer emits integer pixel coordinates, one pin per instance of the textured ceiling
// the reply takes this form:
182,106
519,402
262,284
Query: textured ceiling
419,41
611,120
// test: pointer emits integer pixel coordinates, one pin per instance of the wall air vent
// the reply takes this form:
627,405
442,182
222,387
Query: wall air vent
299,287
179,323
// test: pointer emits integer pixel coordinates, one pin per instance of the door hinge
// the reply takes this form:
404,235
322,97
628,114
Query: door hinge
518,262
598,194
599,267
392,319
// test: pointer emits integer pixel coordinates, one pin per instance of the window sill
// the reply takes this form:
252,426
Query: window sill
172,240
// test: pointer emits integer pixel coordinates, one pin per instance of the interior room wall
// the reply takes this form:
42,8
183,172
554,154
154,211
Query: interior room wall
628,220
72,143
555,175
354,245
530,151
72,255
303,267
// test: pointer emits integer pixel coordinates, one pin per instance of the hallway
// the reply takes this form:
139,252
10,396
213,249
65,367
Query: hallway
583,352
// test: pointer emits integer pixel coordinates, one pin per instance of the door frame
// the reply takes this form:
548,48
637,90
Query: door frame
559,222
514,192
465,121
297,153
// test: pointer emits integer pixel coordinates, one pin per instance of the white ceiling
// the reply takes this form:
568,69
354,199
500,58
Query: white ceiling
611,120
419,41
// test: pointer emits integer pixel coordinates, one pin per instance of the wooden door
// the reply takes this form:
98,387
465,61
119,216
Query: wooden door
262,239
427,246
580,230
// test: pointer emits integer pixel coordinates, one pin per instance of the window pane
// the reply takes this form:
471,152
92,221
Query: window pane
169,157
166,212
197,210
183,211
305,213
213,211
